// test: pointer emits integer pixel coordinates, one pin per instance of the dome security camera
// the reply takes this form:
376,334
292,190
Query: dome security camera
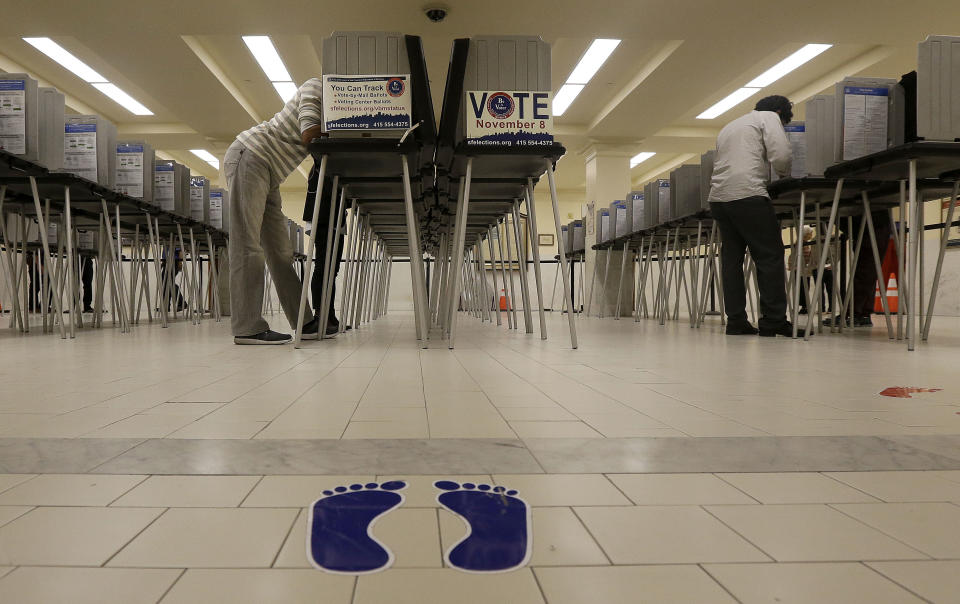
436,14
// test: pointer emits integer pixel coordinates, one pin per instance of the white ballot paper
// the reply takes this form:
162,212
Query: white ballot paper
13,116
864,120
80,150
130,170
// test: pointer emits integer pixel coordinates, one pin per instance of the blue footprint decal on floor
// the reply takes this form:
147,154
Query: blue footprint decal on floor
340,528
499,537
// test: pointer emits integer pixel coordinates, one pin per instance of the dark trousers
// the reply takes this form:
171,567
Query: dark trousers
752,224
86,279
865,273
316,281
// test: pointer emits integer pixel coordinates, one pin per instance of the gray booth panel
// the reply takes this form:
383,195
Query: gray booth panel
938,88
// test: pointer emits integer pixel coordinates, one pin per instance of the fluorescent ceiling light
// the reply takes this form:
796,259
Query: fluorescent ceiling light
64,58
207,157
266,55
286,90
592,60
639,158
787,65
122,98
728,103
564,97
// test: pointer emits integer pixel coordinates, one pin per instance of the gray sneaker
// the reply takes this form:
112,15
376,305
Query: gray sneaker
264,338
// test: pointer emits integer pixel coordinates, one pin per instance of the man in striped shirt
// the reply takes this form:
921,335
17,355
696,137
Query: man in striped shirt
255,164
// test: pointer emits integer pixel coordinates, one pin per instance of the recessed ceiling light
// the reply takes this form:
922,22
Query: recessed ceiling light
266,55
122,98
65,59
639,158
787,65
592,60
286,90
564,97
207,157
728,103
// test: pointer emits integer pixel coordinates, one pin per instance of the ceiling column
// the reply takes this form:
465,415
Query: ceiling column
608,180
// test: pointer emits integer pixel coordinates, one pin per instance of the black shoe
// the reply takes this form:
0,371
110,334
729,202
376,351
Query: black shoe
310,330
264,338
785,330
741,329
87,310
829,321
862,321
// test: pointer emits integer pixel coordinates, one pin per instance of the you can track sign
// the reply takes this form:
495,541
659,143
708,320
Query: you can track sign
369,102
498,118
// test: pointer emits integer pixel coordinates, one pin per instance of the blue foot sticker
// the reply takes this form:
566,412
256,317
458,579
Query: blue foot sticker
340,528
499,538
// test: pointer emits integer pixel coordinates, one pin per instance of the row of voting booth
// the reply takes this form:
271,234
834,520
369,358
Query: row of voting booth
445,194
71,193
852,157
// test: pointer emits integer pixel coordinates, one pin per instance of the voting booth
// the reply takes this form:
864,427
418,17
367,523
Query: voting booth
635,211
618,218
90,148
200,199
19,114
579,235
706,178
938,88
820,133
50,128
797,135
603,225
215,208
868,118
134,169
685,191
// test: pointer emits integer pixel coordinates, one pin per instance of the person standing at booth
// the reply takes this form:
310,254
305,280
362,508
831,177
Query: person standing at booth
747,148
255,164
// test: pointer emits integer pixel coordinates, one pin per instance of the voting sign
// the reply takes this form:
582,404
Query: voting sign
500,118
368,102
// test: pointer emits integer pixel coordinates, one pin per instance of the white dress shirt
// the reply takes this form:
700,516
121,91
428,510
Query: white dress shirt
746,149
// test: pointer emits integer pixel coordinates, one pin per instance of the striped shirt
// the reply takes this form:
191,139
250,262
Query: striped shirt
277,140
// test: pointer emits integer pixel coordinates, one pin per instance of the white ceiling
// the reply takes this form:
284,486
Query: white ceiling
186,62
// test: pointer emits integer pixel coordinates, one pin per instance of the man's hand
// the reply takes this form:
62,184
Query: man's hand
311,133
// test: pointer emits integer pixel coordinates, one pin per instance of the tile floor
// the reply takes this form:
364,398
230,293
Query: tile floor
661,465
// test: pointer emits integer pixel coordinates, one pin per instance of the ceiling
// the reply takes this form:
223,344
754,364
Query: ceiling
186,62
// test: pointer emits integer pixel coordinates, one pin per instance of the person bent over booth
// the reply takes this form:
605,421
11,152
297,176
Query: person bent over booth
255,164
746,149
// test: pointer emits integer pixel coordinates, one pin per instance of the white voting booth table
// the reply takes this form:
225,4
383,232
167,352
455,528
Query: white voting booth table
95,221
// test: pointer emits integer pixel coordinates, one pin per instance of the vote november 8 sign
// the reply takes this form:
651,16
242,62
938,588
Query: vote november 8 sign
507,119
370,102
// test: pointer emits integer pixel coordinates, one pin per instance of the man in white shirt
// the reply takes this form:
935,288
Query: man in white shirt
746,149
255,164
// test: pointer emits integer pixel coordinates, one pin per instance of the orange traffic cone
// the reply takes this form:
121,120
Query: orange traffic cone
893,300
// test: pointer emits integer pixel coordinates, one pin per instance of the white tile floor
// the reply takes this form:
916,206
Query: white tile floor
733,536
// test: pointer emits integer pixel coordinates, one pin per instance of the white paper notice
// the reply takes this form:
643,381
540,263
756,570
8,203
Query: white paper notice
80,150
13,116
163,187
216,209
864,121
368,102
196,202
130,170
797,135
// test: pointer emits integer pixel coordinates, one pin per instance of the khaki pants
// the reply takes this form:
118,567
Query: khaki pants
258,231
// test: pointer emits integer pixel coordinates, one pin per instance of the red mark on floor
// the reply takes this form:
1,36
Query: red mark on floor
906,391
